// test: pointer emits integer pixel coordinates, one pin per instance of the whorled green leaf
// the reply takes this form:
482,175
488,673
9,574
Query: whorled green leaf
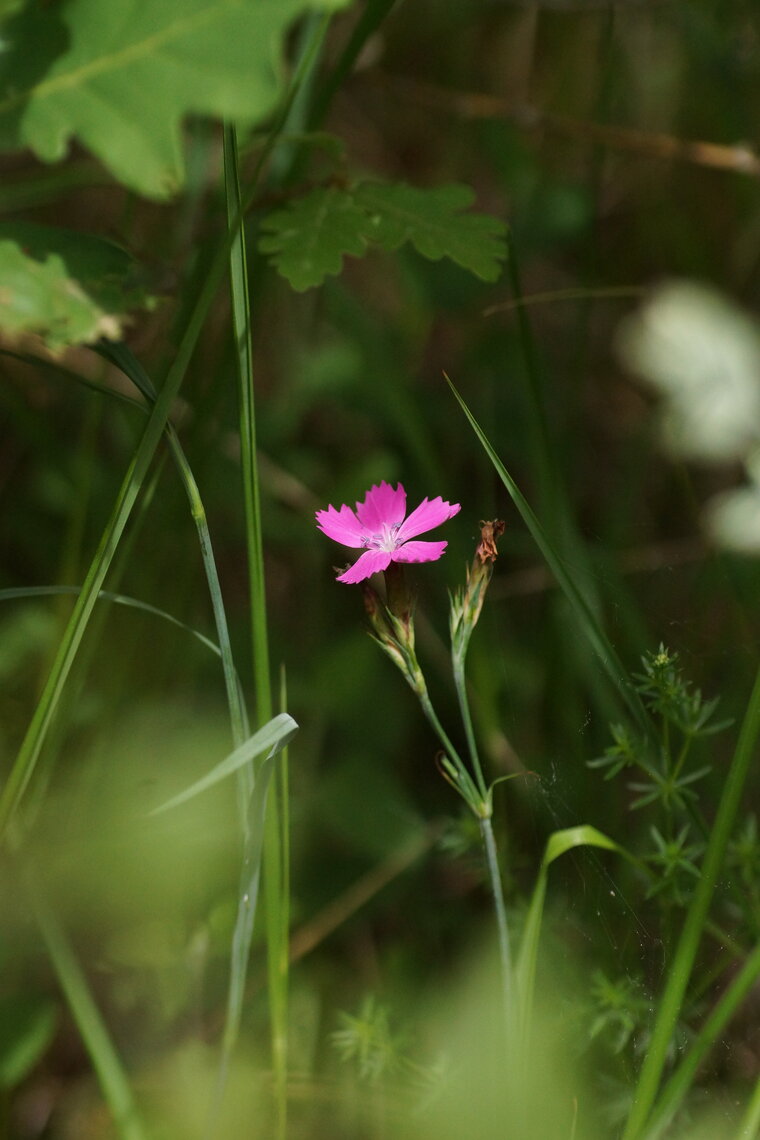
308,240
120,77
64,287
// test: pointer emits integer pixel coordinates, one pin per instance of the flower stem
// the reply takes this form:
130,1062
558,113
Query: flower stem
494,875
461,777
464,708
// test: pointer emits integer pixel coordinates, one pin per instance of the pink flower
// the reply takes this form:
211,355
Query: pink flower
379,526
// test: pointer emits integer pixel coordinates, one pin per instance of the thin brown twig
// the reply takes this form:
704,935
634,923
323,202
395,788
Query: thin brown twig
738,158
341,908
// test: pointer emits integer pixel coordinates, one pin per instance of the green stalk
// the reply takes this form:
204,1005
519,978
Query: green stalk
750,1123
460,683
275,841
241,310
497,891
278,925
373,14
696,919
459,776
235,703
121,355
105,1060
679,1084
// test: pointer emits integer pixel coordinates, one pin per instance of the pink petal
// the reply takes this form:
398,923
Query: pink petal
368,563
418,552
342,526
382,506
428,514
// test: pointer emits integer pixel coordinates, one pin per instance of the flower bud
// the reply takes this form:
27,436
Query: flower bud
466,604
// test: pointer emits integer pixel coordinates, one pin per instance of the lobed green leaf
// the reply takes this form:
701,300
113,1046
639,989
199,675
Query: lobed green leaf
434,222
120,77
308,240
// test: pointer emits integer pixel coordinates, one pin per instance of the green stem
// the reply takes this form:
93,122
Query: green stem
373,14
497,891
241,317
680,971
750,1123
121,355
460,777
679,1084
105,1060
460,683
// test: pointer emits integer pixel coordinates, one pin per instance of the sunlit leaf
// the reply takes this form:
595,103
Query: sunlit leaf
64,287
121,76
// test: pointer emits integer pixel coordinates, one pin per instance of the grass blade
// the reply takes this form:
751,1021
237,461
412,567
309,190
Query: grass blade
682,1080
558,843
33,741
271,739
111,1076
585,616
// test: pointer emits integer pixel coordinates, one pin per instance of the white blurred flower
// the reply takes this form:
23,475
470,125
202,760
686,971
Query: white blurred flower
703,354
733,518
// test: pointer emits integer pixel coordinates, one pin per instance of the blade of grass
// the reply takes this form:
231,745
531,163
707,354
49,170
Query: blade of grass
271,739
679,1084
111,1076
250,878
123,357
749,1126
558,843
373,14
679,973
274,878
584,614
31,746
278,926
17,593
241,313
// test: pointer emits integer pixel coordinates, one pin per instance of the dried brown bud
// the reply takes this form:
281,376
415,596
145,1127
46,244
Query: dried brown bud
489,532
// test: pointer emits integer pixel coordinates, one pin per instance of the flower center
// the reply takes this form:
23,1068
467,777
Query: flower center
385,540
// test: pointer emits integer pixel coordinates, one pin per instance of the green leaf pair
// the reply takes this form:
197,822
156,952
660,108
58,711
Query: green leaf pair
308,240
